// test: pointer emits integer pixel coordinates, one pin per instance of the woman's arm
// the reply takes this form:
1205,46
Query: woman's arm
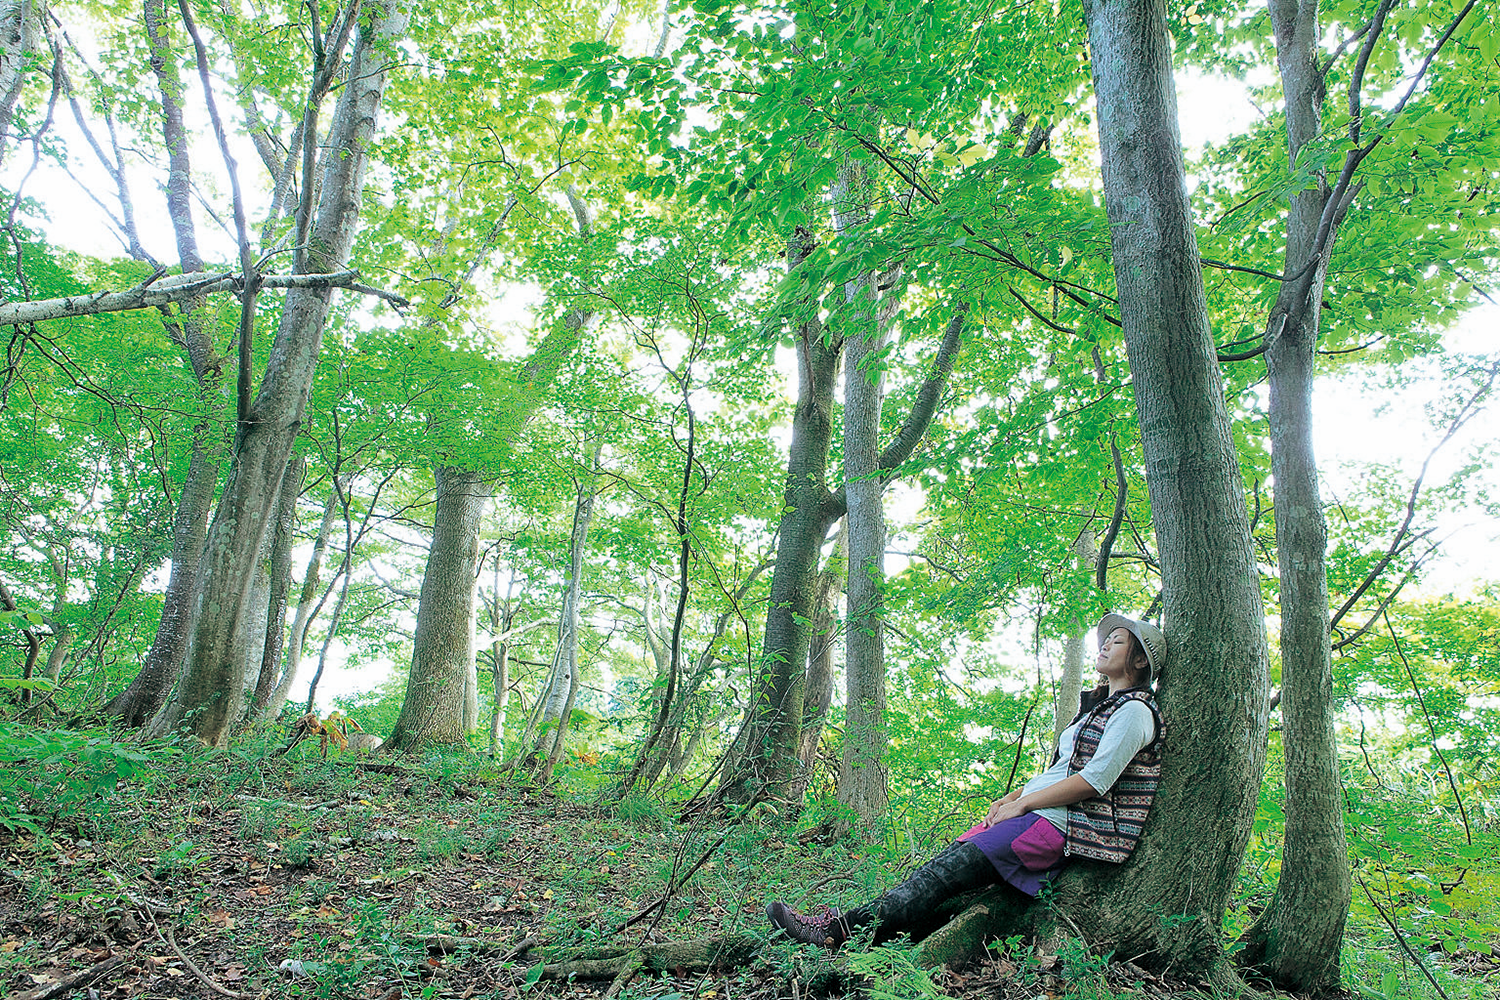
1073,788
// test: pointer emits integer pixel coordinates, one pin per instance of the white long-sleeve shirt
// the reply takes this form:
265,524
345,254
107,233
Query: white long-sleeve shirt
1129,729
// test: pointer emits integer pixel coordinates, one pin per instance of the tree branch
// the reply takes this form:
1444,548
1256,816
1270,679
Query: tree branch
1465,412
920,417
153,294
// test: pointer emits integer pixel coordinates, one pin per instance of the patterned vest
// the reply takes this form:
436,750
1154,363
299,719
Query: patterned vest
1107,827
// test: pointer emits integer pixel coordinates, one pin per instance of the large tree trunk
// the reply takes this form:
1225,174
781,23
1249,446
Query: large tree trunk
765,761
1168,901
862,771
147,693
818,696
539,372
1296,940
443,648
210,692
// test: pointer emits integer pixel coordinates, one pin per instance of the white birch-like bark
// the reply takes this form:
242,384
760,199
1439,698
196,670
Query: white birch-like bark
562,683
20,35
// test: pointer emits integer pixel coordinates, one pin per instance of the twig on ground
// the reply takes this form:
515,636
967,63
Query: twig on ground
74,981
198,973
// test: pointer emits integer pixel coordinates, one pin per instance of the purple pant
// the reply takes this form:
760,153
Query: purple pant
1026,850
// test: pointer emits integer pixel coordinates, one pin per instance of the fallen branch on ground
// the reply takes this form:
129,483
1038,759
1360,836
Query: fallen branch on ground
73,981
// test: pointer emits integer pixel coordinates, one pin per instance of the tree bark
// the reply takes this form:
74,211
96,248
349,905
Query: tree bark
825,628
62,644
146,694
432,712
280,584
562,683
765,762
1168,901
308,602
209,694
20,31
1296,940
862,771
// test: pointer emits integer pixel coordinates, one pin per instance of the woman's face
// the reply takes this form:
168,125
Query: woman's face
1115,654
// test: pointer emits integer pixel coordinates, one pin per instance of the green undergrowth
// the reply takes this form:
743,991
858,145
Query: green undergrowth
305,876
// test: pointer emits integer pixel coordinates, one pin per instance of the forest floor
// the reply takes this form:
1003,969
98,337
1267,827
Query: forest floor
353,878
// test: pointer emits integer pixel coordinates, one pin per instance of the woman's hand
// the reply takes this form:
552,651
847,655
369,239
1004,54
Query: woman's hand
1004,809
1073,788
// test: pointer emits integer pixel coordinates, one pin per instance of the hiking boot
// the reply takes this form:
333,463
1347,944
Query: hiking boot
915,905
825,927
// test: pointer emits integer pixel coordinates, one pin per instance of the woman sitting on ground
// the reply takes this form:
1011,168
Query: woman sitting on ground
1090,803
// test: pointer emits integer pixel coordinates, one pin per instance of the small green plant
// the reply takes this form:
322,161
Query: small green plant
435,842
1019,954
183,857
641,810
892,974
491,841
47,776
1084,969
300,852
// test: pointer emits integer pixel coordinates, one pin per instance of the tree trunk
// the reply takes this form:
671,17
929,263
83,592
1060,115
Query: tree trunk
765,763
209,694
538,373
670,754
146,694
562,683
1168,901
862,771
443,649
1296,941
763,760
62,644
254,645
20,35
825,628
504,619
308,602
471,676
280,583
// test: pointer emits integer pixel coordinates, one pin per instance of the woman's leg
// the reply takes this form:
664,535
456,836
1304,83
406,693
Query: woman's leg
910,907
